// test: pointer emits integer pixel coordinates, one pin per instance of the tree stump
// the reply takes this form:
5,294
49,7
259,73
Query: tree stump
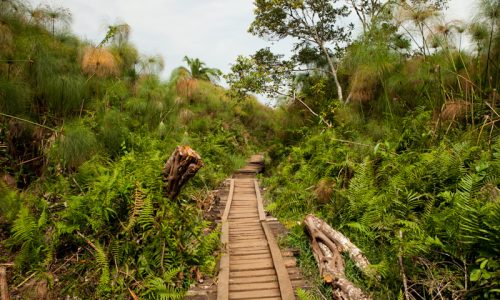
327,245
183,164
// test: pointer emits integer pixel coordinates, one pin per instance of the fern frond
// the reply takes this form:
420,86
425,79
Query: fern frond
24,228
103,265
305,295
157,289
146,215
138,205
170,274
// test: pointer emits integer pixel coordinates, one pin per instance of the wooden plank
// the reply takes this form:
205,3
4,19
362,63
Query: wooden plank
256,294
298,283
262,263
254,279
243,259
266,272
254,286
260,244
236,209
223,277
229,200
244,212
252,237
281,271
260,206
245,230
252,266
243,220
243,251
246,189
254,256
290,262
241,229
249,236
244,197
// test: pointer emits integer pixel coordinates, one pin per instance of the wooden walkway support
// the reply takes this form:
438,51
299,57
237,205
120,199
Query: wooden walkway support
251,265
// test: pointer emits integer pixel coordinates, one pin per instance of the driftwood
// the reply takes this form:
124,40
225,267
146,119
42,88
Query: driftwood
4,288
179,168
327,245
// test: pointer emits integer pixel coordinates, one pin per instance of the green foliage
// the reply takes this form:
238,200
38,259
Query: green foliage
11,203
92,214
199,71
14,97
442,199
114,132
74,146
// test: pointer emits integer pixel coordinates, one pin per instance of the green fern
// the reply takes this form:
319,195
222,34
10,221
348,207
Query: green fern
158,289
102,262
305,295
24,229
137,208
147,212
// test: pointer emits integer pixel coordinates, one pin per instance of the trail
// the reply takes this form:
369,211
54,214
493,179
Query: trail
252,266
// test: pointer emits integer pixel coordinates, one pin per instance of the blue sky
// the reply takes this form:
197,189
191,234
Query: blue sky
213,30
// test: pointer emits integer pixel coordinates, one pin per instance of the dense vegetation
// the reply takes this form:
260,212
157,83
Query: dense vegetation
84,133
398,143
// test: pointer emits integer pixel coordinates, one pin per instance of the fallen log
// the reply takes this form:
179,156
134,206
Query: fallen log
327,245
4,288
183,164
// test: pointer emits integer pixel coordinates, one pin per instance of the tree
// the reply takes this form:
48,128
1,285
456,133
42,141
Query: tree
261,73
367,11
151,65
311,22
198,70
489,16
57,14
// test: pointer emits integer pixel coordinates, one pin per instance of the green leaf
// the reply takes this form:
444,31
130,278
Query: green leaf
483,264
475,275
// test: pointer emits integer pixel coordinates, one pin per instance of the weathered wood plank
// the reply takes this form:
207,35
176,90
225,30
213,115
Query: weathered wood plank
260,206
229,200
256,294
253,279
281,271
265,272
251,266
242,251
254,286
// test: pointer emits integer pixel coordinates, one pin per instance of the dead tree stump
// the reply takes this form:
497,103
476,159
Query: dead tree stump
327,245
183,164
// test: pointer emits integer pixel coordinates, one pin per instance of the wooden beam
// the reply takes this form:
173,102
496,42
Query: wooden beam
229,201
285,284
223,277
260,205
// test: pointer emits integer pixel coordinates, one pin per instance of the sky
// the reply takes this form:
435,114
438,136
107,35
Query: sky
214,31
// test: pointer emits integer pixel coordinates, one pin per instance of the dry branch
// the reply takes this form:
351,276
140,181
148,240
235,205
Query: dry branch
183,164
327,245
4,288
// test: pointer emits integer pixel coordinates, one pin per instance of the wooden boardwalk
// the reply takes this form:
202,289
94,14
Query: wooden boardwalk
251,266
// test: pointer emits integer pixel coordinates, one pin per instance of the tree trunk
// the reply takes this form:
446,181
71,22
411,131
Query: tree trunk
334,72
327,245
183,164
